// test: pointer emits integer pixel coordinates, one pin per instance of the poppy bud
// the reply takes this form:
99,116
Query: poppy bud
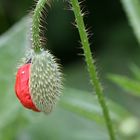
39,83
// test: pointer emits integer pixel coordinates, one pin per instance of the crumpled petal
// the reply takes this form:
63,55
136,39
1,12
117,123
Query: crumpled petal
22,87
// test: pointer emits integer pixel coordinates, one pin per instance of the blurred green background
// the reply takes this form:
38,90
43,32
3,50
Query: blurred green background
78,115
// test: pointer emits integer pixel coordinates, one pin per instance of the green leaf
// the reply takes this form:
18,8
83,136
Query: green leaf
132,9
136,71
12,47
86,105
129,85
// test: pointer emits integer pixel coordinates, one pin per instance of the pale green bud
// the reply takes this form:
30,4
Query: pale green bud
45,81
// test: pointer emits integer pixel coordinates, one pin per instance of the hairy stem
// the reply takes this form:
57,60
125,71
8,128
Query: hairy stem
37,45
132,9
91,67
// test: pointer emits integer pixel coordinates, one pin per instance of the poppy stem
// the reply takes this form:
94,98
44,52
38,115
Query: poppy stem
36,39
91,66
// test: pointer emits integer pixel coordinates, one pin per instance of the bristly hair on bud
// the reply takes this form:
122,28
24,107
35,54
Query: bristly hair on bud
45,81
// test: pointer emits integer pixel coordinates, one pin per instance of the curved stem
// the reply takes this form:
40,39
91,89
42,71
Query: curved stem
36,25
91,67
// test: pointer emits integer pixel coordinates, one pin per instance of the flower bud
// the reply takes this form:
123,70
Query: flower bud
39,82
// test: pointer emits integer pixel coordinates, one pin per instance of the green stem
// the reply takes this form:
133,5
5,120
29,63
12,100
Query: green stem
37,45
91,67
132,9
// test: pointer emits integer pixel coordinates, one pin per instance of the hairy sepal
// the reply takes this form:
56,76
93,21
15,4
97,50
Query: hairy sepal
45,81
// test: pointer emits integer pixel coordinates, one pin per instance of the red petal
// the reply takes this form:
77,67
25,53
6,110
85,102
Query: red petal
22,87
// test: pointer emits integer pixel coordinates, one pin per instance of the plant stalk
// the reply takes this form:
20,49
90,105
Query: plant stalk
91,66
36,39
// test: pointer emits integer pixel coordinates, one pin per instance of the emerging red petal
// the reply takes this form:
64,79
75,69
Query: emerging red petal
22,87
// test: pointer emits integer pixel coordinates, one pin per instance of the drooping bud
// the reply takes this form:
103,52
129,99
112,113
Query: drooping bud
39,82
